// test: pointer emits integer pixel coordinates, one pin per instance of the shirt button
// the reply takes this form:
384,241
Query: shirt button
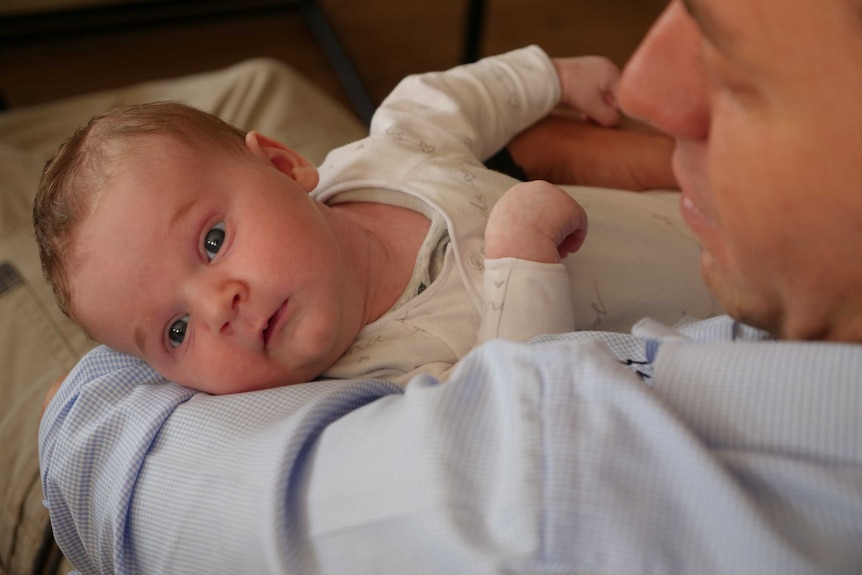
475,261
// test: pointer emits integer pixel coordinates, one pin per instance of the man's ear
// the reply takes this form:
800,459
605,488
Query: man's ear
285,160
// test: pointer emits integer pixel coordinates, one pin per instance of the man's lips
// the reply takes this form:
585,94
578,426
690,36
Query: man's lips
274,323
688,167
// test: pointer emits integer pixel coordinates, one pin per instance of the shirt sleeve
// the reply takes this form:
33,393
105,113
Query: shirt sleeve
144,476
550,457
524,299
480,105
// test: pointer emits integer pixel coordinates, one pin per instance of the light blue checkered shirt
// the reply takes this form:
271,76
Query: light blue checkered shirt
696,450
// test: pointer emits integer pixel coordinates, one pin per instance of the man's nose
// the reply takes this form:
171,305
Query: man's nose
664,82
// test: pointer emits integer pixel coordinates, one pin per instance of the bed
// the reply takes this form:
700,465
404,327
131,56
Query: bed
641,233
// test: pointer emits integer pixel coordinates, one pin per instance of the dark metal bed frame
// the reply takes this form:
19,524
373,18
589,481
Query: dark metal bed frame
20,26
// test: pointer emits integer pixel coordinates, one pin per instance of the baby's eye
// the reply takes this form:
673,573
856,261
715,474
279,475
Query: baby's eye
213,240
177,331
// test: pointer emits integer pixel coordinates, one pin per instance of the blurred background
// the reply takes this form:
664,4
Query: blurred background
50,49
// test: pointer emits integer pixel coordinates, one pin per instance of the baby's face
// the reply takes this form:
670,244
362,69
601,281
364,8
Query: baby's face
220,271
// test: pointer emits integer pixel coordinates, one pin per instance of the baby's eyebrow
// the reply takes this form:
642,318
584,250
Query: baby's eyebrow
181,212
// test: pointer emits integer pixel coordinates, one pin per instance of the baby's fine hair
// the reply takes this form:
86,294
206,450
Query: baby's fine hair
83,164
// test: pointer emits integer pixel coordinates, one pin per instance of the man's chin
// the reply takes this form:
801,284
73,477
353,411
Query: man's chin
718,284
737,301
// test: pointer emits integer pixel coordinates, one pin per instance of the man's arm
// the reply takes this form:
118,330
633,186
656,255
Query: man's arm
565,149
543,457
144,476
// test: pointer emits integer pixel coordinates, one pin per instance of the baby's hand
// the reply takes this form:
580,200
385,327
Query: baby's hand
535,221
588,84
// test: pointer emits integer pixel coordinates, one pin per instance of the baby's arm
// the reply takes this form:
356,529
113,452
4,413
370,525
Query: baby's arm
527,290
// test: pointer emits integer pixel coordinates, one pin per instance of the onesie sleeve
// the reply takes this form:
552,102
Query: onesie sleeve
480,105
524,299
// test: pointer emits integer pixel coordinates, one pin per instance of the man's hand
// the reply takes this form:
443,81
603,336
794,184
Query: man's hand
535,221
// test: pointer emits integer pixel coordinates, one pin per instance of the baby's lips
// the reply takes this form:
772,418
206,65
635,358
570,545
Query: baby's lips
273,323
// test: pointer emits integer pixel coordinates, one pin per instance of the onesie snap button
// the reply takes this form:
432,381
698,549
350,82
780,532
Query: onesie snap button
475,261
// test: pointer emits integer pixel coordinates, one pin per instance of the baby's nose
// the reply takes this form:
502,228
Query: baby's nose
219,306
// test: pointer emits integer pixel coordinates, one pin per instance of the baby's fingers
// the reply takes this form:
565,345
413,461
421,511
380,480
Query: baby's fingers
574,231
589,85
600,107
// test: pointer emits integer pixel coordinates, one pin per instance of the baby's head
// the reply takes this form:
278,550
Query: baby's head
81,170
171,235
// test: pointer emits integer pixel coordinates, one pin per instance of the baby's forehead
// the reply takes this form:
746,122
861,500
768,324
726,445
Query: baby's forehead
119,147
151,164
112,156
142,150
123,157
115,162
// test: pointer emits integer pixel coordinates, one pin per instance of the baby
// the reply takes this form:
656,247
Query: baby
229,263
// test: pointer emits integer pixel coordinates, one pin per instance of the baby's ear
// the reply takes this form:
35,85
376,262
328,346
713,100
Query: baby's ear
285,160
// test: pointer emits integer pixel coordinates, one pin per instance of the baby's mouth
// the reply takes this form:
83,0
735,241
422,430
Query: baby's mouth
273,324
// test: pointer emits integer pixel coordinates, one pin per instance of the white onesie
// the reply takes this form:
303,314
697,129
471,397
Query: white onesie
425,151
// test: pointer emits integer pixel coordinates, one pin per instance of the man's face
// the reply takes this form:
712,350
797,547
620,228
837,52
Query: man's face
218,270
762,97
